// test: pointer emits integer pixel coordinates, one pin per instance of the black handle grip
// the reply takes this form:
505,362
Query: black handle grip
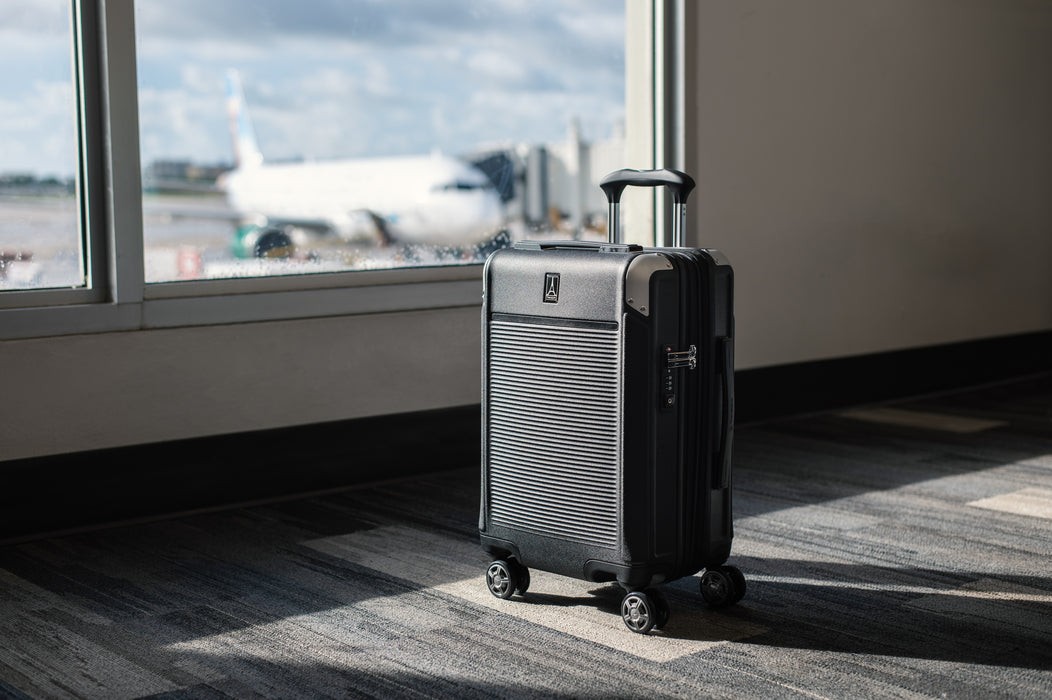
721,473
578,245
679,183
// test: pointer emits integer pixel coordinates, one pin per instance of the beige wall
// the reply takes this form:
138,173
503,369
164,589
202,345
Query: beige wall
879,173
109,389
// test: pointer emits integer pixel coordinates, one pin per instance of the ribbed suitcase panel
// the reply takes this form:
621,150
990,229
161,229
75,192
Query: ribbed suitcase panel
554,412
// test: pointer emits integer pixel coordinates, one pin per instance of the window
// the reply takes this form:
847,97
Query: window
40,233
282,138
115,128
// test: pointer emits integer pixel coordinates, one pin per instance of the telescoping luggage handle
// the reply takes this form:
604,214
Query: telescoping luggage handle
679,184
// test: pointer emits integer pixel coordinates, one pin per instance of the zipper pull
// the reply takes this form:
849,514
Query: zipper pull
681,358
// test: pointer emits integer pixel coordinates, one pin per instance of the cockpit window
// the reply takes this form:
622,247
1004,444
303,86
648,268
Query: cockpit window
463,186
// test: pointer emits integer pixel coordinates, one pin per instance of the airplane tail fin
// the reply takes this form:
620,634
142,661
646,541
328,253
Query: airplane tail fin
243,136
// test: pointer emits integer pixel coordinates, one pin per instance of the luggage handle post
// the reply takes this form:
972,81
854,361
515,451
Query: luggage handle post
679,183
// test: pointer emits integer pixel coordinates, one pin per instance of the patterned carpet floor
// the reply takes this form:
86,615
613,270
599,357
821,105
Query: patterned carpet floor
893,551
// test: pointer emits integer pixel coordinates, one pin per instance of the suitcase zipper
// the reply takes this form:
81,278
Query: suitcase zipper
681,358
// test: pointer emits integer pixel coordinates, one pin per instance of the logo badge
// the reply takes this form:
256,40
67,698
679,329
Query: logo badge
551,287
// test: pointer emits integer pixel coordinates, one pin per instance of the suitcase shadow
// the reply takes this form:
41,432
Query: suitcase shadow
607,599
972,617
848,608
691,619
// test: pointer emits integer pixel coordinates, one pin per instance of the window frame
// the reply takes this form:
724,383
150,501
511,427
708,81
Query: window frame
119,299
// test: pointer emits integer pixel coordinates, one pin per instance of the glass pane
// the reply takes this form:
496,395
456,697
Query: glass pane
40,238
282,137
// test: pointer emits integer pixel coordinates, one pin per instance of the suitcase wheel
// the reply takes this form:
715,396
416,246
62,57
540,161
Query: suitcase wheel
722,586
645,610
507,577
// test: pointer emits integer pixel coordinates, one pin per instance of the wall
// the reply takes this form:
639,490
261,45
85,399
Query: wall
93,391
879,173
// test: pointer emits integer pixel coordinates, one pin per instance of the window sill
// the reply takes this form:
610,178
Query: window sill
218,302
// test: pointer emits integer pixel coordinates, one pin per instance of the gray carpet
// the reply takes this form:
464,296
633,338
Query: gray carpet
898,551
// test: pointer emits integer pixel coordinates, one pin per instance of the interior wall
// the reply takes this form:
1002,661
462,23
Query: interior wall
88,392
879,173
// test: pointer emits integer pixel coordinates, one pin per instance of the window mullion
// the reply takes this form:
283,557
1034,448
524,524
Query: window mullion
90,195
120,139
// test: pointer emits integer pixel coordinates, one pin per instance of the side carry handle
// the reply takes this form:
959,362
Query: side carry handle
721,472
679,184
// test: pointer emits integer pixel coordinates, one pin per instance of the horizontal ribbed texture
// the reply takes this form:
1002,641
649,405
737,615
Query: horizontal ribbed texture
554,425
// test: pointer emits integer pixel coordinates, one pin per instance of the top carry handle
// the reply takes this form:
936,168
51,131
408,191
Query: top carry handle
679,183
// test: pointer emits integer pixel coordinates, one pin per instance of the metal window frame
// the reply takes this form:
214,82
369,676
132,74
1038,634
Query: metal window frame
119,299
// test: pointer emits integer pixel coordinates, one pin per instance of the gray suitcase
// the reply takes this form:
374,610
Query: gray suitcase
608,413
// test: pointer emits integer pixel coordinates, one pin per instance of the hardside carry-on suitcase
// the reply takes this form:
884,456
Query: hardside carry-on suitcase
608,413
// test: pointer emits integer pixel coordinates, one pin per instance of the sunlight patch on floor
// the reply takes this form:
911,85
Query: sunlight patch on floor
924,420
1034,502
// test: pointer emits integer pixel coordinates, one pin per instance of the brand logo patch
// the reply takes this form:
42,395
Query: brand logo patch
551,287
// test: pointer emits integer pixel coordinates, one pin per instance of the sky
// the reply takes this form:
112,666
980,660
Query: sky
37,133
328,78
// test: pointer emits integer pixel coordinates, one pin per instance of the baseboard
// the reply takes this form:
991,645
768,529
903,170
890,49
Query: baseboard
807,387
88,489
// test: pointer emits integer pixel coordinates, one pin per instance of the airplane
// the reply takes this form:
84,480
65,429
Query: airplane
431,199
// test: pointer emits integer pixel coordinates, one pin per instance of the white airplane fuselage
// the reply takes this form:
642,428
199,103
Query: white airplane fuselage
420,199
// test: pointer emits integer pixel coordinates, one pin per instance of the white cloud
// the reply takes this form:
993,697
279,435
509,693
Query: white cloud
322,81
29,20
182,124
497,65
601,28
38,130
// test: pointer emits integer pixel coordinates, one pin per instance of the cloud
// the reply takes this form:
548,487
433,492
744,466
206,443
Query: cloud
373,22
187,125
38,130
32,19
328,78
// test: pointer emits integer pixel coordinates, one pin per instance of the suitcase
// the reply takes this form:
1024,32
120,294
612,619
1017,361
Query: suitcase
608,413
